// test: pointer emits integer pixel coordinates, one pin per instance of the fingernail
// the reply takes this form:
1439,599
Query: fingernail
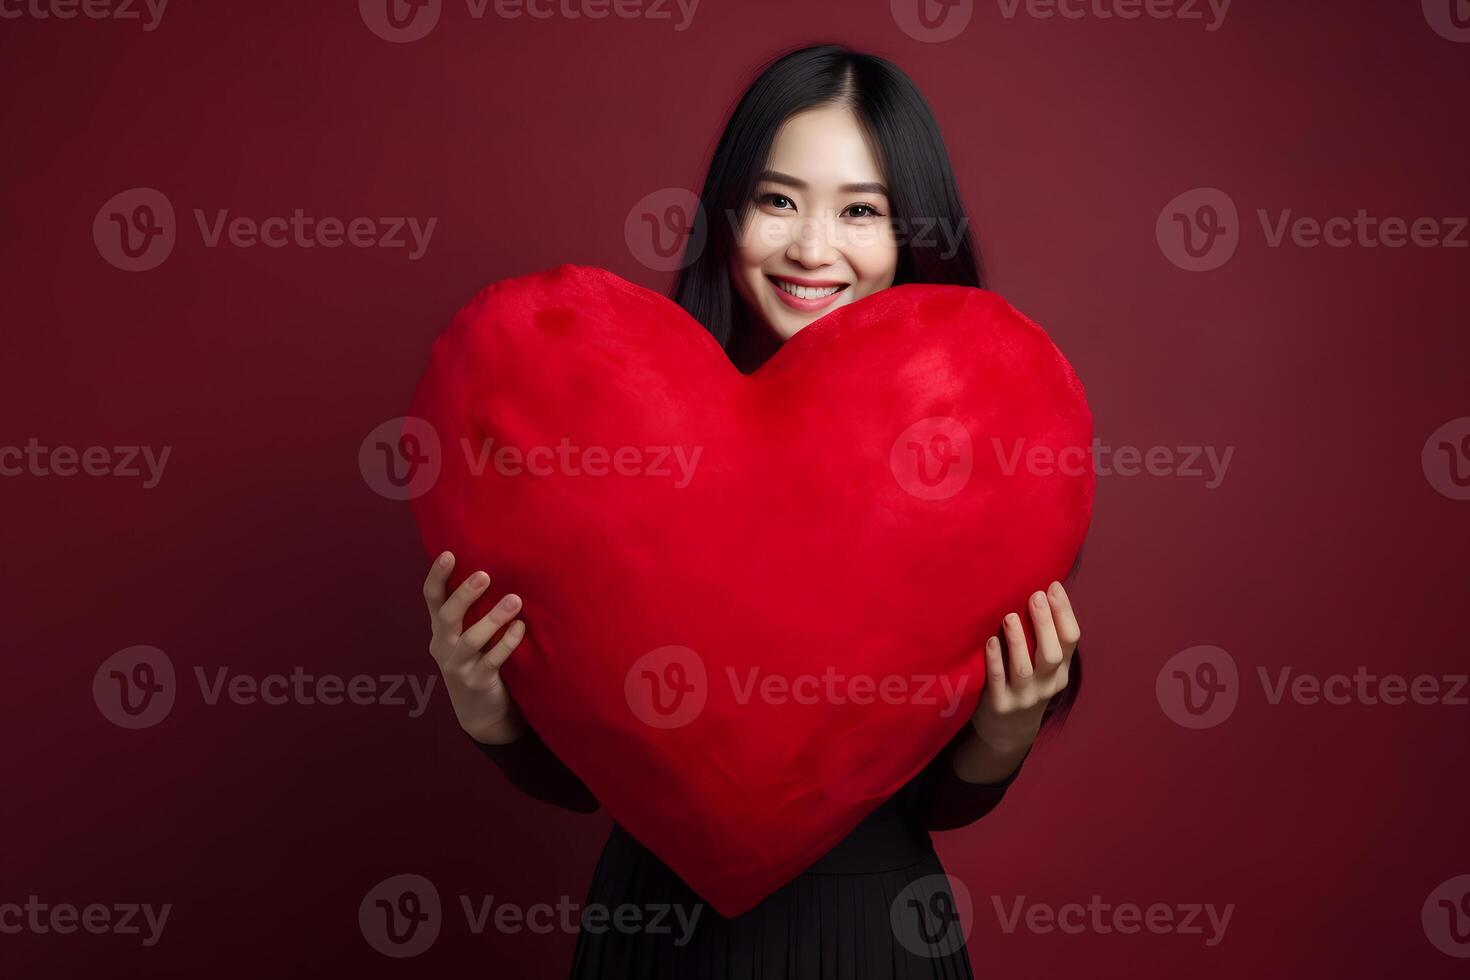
1038,600
479,580
1056,589
446,559
510,602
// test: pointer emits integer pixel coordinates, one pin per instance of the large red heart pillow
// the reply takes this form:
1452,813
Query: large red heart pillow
755,604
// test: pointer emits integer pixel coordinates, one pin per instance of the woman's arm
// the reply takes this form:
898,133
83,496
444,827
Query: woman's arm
470,661
972,773
951,799
534,769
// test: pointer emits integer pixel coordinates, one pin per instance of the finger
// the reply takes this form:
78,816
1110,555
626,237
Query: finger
1068,632
479,634
434,584
497,655
451,614
995,671
1020,657
1048,647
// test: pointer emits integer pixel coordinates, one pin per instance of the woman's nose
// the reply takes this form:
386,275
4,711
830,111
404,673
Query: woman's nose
812,243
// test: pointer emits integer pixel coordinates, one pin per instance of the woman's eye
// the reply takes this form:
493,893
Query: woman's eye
862,211
777,201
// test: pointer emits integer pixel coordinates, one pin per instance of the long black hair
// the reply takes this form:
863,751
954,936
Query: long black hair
930,225
929,221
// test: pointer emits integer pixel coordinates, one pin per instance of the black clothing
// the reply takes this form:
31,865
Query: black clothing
874,906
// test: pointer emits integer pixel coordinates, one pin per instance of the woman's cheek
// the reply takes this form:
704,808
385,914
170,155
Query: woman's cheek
762,235
876,267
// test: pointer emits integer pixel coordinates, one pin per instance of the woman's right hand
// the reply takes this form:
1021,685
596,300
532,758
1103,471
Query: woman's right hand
481,701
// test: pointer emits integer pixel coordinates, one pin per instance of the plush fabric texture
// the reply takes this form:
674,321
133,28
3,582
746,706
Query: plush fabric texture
744,653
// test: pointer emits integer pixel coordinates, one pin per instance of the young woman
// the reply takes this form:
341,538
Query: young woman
831,182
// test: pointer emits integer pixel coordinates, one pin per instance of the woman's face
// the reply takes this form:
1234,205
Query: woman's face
818,235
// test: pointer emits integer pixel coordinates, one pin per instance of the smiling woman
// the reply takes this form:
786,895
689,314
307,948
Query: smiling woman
826,162
813,242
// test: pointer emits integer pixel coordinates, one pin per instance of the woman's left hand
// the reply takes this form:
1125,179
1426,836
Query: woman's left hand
1011,706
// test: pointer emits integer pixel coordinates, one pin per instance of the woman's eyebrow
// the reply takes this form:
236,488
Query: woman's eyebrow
776,177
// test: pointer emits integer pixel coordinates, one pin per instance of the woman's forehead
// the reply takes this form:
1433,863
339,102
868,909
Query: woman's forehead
824,148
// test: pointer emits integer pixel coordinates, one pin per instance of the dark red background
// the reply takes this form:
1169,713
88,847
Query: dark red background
1326,547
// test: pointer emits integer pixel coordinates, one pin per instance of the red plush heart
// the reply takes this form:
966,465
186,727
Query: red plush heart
755,604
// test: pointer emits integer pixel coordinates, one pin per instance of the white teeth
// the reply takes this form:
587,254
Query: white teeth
806,292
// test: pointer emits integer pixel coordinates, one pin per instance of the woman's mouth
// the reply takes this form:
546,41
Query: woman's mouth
806,295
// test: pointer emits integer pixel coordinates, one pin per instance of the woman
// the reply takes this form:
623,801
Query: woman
830,182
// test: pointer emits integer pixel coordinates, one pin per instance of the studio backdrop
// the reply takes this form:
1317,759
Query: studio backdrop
233,232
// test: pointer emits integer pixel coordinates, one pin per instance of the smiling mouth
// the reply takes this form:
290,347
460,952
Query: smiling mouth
810,295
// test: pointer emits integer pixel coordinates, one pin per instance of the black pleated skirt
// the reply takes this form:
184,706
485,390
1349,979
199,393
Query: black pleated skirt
878,908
